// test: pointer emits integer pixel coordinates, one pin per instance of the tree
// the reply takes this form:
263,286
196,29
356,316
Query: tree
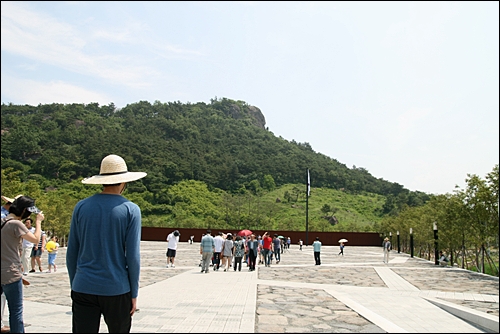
268,183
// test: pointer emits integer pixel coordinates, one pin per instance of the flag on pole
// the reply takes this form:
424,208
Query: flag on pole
308,184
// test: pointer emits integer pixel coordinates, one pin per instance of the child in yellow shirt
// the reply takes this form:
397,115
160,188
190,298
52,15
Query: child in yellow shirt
52,247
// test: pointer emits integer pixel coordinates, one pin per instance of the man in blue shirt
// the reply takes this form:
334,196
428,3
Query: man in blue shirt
317,250
207,247
103,254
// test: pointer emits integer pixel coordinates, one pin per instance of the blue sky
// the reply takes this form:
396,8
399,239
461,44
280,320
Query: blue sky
407,90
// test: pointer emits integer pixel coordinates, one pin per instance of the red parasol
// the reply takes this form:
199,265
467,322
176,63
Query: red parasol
244,233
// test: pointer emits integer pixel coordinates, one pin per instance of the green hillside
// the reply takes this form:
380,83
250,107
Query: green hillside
214,163
349,210
200,207
218,165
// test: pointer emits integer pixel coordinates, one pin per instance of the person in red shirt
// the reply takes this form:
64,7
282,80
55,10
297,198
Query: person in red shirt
267,248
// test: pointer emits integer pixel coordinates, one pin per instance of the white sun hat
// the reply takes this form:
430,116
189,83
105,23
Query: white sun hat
114,170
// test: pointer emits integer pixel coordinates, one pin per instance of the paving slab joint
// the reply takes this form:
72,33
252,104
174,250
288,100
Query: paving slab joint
484,320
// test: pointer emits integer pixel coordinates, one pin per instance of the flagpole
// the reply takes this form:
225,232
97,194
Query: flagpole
307,209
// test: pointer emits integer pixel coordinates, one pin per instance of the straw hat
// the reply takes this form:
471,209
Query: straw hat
10,200
114,170
386,239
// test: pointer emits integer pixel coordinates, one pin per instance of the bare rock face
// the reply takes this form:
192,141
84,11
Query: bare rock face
258,116
235,112
251,112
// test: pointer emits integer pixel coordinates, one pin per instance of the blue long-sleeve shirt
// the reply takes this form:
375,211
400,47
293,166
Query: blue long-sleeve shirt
207,244
103,254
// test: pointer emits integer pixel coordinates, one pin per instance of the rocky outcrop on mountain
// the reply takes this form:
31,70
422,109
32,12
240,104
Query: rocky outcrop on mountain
256,116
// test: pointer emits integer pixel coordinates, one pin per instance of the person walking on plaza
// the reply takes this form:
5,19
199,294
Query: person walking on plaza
277,248
300,244
288,242
227,252
253,248
103,252
173,240
27,247
317,250
239,252
246,257
219,241
387,249
52,247
341,249
13,231
267,249
36,253
207,247
260,253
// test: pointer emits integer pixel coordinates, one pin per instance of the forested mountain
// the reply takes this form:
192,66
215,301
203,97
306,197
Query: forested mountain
217,165
224,144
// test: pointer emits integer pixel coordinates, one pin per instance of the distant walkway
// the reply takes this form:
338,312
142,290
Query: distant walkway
353,293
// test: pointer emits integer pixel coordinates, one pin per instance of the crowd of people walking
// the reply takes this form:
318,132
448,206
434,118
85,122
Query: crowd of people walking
113,292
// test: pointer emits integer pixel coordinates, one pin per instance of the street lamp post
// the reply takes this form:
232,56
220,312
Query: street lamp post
436,251
411,242
399,249
390,237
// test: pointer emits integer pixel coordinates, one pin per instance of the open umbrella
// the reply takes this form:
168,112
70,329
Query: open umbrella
342,240
281,237
244,233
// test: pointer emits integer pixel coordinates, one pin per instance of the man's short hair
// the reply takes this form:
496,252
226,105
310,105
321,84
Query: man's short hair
208,231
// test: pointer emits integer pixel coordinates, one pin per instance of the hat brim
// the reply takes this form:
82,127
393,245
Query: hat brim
113,179
8,199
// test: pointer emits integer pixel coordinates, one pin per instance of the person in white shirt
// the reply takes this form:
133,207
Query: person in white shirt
27,247
173,240
218,241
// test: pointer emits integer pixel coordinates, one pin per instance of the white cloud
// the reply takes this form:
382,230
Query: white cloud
32,92
44,39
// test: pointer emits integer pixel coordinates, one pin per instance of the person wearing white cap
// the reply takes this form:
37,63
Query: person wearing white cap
103,253
13,231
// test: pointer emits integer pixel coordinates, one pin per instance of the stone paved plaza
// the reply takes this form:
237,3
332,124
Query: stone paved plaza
292,296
